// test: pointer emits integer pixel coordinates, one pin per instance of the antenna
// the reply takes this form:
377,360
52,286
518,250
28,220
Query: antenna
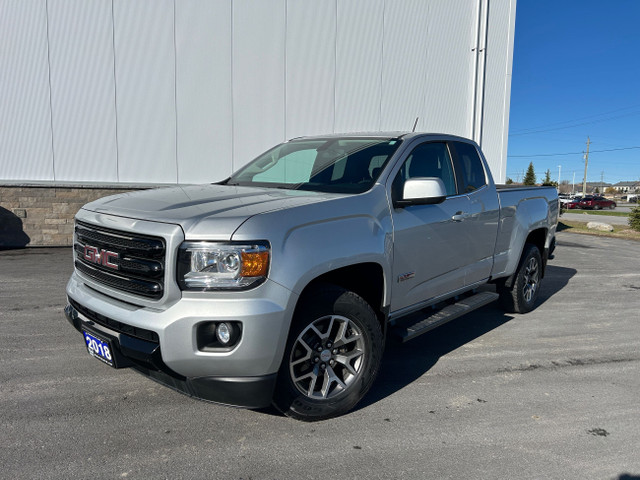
415,124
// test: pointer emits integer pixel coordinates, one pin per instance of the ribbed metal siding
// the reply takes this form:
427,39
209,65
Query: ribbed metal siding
157,91
25,108
83,102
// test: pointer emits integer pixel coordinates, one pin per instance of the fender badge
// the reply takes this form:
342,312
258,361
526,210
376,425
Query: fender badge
406,276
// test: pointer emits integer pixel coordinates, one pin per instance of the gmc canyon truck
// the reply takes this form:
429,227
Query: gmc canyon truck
280,284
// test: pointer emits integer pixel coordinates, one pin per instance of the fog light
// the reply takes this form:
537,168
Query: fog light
218,336
224,332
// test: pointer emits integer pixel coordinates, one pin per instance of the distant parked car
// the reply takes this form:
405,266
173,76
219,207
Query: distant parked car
564,199
596,203
572,204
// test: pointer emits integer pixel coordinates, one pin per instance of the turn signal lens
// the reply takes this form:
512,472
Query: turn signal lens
254,264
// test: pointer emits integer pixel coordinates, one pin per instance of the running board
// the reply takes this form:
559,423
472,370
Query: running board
423,324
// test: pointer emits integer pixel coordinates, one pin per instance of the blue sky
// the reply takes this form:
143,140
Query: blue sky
576,73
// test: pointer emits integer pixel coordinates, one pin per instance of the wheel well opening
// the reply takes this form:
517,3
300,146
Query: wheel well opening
364,279
538,238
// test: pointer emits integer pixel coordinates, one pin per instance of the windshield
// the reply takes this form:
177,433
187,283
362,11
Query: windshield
341,165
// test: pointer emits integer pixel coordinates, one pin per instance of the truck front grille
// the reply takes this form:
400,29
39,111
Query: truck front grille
125,261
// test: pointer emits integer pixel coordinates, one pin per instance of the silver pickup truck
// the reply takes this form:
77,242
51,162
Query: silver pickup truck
281,284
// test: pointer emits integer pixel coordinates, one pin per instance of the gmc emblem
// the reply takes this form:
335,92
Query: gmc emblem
101,257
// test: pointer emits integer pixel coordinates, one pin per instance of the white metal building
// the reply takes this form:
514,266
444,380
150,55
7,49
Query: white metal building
184,91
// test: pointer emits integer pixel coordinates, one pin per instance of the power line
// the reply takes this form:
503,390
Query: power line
574,125
630,107
571,153
545,155
522,130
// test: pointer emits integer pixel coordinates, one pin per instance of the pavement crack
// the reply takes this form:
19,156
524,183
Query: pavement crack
571,362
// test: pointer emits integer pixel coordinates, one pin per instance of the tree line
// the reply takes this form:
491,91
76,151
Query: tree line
530,178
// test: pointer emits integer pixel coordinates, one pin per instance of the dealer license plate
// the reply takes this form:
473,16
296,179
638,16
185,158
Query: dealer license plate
99,348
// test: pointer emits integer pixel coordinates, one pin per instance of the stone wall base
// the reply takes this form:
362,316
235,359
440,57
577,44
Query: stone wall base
38,216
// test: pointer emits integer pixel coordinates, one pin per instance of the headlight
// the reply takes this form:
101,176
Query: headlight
222,266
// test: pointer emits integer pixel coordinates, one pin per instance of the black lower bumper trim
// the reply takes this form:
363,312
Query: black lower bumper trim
144,357
245,392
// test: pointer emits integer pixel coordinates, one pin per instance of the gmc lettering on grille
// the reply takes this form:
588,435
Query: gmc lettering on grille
101,257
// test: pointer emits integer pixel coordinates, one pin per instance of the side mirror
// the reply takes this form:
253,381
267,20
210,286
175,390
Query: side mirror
422,191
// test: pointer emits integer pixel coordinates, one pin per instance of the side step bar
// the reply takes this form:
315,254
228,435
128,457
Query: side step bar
423,321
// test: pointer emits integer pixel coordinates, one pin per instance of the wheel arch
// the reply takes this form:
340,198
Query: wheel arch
364,279
538,238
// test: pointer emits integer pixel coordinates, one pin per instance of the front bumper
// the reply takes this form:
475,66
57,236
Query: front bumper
162,344
144,357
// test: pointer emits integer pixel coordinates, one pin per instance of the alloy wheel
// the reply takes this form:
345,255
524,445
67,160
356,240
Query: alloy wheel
531,279
327,357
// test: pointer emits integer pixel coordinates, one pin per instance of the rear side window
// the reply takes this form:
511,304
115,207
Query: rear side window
472,174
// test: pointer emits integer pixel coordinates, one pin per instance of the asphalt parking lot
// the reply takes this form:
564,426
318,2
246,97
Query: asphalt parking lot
551,394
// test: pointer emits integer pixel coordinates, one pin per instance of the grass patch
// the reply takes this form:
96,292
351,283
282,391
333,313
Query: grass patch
610,213
619,231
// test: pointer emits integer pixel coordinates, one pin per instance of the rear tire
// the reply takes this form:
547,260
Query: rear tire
332,356
522,295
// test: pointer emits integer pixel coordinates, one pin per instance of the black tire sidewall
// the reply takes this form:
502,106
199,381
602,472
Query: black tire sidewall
323,301
522,305
511,295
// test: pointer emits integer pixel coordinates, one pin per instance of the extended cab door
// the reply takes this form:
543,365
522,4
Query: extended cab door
482,213
431,242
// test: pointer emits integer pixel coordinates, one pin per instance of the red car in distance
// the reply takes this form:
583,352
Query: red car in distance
596,203
572,204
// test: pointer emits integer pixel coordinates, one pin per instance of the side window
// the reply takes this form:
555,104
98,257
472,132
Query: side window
427,160
473,176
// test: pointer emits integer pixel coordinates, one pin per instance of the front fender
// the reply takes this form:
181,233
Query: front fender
312,240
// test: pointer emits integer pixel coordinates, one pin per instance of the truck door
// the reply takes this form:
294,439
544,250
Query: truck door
483,212
430,241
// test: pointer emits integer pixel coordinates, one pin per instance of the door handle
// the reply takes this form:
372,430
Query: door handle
459,216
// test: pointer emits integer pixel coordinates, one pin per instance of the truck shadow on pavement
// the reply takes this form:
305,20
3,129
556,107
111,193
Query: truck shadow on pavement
402,364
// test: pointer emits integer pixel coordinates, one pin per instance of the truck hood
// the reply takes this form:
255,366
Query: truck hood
211,212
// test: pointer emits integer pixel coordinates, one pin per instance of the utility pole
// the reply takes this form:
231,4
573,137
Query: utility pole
573,183
559,173
586,162
602,182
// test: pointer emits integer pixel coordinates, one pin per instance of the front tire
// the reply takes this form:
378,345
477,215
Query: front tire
522,295
332,357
